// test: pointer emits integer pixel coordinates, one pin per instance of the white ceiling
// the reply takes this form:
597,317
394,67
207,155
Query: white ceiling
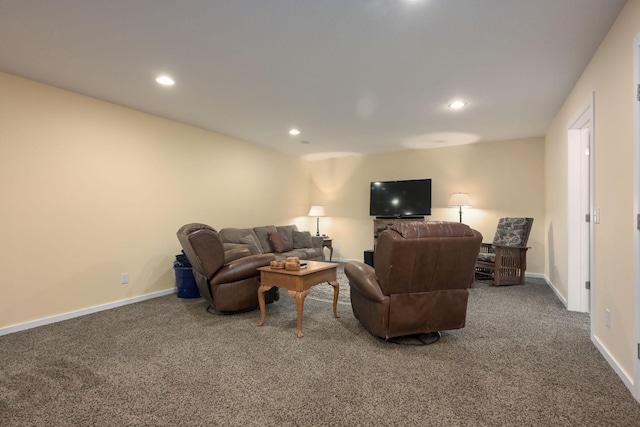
355,76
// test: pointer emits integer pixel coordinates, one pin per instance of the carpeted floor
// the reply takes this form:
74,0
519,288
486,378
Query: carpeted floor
522,360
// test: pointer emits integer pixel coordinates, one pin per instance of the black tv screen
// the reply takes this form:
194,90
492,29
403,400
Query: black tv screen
397,199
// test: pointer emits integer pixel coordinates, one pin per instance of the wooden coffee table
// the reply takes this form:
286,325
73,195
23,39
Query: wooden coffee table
298,284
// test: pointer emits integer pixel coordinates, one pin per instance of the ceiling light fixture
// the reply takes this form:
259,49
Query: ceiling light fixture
165,80
294,132
456,105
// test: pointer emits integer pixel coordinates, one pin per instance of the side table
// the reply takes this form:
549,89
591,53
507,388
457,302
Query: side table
328,243
298,284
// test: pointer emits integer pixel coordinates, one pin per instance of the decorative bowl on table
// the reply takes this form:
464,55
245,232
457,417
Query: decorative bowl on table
278,265
292,263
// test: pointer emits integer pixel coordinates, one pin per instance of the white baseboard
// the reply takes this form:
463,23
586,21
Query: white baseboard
613,363
562,299
66,316
624,376
536,275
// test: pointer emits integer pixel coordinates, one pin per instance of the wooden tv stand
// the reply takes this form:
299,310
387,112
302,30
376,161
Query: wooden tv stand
381,224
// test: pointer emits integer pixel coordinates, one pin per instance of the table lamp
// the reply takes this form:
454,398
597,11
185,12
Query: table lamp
317,211
460,200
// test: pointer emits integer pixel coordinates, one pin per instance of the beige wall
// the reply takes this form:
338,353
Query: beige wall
609,76
91,190
502,178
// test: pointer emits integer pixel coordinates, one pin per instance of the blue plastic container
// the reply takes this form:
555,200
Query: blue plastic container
186,283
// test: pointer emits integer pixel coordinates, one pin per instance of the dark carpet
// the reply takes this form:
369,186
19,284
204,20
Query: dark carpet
522,360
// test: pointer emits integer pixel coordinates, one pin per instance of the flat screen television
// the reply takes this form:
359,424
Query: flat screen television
400,199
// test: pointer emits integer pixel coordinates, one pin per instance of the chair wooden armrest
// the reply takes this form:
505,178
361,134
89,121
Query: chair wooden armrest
511,262
509,250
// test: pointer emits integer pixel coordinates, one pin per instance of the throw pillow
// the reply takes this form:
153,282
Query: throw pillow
253,243
279,242
302,239
262,233
287,230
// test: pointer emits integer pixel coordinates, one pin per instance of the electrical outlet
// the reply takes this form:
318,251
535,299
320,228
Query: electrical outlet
607,318
124,278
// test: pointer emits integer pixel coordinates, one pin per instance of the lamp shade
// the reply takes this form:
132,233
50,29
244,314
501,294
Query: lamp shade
317,210
460,199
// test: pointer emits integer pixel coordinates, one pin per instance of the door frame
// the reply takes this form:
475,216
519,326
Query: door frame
578,298
636,206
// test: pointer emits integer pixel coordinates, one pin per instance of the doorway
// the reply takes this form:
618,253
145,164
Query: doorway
580,213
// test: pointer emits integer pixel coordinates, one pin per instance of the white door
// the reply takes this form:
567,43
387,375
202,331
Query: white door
587,218
579,210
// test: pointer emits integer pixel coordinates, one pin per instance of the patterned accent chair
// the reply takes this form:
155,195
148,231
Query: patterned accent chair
505,260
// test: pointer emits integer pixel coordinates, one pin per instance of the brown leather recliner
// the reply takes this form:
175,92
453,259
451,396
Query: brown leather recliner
228,280
420,282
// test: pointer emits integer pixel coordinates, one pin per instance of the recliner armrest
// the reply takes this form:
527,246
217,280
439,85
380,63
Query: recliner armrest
242,268
363,277
234,254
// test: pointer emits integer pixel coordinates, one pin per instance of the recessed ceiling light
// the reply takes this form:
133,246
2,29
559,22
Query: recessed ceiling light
456,105
294,132
165,80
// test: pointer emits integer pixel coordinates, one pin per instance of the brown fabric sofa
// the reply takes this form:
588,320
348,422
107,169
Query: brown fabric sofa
257,240
420,281
227,279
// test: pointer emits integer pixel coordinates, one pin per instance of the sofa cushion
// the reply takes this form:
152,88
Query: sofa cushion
233,235
251,240
304,254
262,233
279,242
302,239
512,231
487,257
311,253
287,230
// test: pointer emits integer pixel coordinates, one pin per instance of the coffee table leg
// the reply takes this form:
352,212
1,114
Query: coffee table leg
263,311
336,290
299,296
